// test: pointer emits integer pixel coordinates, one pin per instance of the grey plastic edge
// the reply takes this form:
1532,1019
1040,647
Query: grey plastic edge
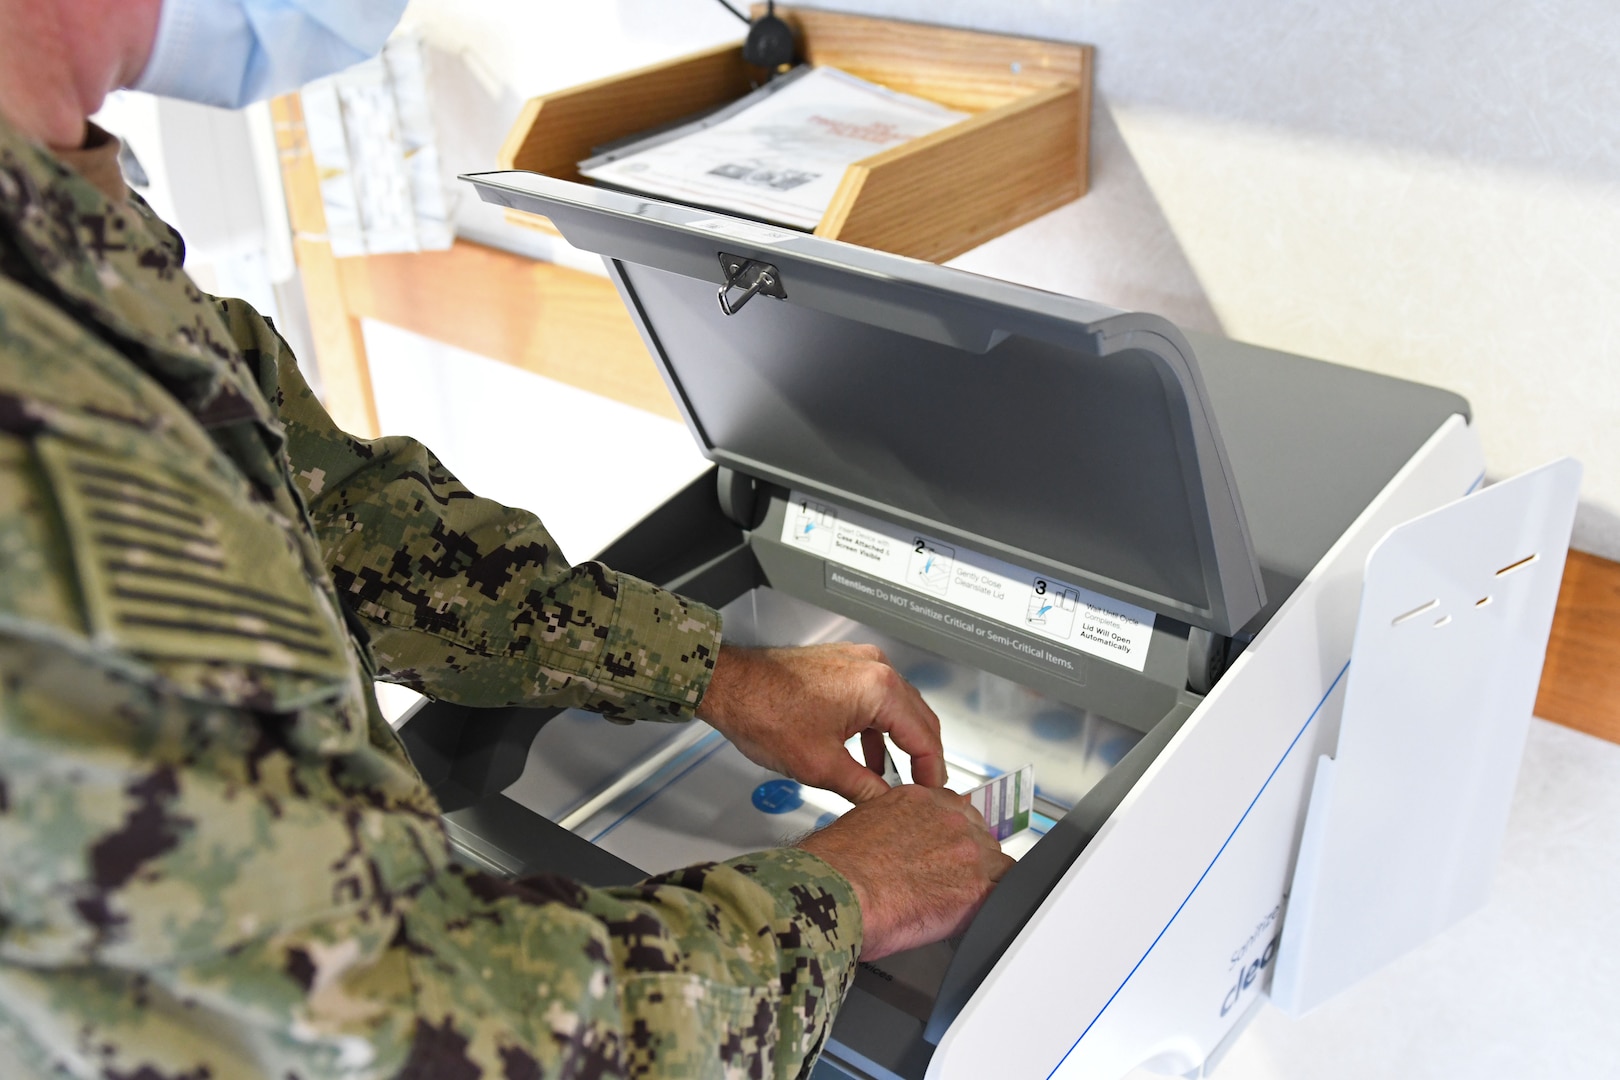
936,303
1020,894
1231,569
516,842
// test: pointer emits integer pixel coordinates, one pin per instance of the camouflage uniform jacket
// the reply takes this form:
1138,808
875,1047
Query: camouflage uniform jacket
215,858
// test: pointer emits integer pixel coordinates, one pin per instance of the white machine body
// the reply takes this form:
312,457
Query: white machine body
1179,947
980,451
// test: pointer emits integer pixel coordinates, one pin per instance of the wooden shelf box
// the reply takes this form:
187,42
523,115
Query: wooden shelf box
1021,153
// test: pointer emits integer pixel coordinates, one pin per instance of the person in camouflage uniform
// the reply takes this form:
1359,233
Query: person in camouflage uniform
216,859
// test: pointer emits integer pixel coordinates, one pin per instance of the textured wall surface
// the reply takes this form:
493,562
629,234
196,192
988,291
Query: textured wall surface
1429,190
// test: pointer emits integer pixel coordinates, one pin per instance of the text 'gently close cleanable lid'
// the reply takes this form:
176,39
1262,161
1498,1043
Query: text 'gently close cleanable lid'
1042,429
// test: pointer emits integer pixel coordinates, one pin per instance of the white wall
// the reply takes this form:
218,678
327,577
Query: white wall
1426,189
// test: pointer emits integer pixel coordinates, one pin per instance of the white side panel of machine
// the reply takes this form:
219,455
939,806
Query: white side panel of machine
1129,960
1406,818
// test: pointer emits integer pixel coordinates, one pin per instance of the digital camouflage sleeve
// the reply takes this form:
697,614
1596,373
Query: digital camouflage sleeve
215,859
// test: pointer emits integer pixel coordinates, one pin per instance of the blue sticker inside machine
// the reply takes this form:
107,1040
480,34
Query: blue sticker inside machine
778,797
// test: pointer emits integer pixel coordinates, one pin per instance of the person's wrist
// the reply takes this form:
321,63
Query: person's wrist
857,890
718,700
841,864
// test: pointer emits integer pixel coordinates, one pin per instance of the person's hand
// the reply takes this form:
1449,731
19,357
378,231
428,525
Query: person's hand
792,710
921,862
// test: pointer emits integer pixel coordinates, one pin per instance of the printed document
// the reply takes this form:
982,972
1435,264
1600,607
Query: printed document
779,154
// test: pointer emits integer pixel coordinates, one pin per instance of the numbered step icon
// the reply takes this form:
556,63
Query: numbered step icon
931,566
813,525
1052,608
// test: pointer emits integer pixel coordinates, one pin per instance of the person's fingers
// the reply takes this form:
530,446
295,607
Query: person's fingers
971,812
869,652
915,729
949,866
848,778
928,768
873,749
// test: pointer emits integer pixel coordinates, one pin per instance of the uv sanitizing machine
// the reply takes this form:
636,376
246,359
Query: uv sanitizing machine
1267,638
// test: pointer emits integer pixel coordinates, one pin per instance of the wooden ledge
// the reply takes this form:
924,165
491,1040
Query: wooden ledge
565,324
1580,686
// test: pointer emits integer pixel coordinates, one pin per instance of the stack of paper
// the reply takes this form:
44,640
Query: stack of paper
779,153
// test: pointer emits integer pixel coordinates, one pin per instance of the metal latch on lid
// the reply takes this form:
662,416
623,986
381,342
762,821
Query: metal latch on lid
749,275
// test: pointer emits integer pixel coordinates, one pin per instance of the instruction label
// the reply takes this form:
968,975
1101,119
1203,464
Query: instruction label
1037,651
1036,608
744,230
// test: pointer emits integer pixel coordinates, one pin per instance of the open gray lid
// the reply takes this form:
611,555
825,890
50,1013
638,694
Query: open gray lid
1048,431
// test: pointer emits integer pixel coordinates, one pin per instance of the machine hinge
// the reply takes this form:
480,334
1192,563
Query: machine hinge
749,275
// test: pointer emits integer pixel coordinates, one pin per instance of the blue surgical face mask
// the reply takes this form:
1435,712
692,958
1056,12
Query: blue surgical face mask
233,52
